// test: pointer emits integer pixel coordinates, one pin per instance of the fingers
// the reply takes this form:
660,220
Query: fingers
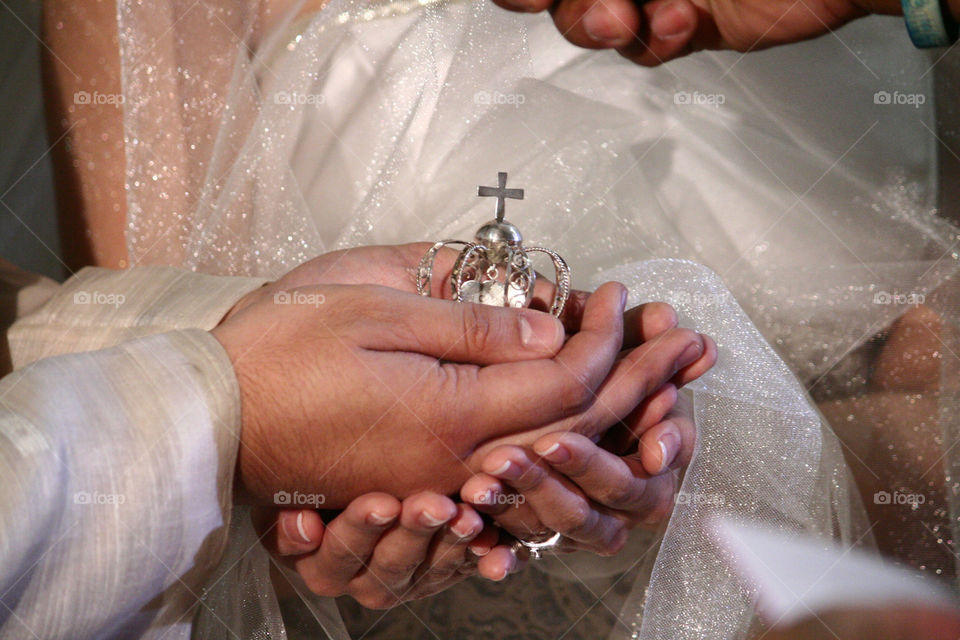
499,563
618,483
470,333
348,543
615,482
646,322
669,444
700,366
597,24
671,29
404,548
298,531
636,377
449,554
543,390
558,504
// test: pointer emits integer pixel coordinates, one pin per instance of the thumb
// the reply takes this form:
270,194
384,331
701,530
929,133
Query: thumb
467,332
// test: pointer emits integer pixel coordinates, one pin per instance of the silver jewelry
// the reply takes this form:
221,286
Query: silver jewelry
495,268
536,548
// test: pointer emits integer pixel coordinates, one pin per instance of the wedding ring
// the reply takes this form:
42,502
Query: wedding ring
537,547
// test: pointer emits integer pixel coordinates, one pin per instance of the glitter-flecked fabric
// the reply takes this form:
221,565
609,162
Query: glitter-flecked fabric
260,135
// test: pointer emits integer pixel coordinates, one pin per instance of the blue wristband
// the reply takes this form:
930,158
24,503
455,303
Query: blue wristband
929,23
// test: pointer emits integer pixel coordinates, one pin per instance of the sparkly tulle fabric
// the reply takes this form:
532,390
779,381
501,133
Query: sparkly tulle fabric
259,135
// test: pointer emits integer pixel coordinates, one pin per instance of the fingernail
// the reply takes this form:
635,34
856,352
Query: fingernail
540,331
507,471
669,448
623,300
430,520
380,520
670,21
602,25
511,565
463,534
690,354
555,453
301,530
479,550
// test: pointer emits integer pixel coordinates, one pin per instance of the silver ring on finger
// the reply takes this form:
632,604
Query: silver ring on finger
538,546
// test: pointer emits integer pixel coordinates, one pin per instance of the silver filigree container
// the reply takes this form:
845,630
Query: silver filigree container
495,268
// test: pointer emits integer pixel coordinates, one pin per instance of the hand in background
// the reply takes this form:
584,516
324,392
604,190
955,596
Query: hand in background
656,32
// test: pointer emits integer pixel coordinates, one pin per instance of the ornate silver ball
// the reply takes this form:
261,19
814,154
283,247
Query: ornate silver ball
499,238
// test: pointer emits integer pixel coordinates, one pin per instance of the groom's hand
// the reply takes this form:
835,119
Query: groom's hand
655,32
352,389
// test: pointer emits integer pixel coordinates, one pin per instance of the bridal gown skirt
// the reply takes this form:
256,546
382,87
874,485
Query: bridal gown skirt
783,202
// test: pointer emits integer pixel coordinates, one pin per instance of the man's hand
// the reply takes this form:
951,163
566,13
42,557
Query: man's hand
363,392
656,32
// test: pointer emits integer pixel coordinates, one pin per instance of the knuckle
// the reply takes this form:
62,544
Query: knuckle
575,396
397,567
576,520
619,491
477,327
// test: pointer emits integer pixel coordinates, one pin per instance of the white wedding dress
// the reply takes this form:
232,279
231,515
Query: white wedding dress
259,135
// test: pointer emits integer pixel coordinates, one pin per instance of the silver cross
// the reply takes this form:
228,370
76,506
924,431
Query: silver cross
501,193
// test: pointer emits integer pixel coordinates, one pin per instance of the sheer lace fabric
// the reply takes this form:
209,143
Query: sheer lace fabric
259,135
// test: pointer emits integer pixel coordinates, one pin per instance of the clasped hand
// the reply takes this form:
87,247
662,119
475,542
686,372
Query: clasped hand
354,388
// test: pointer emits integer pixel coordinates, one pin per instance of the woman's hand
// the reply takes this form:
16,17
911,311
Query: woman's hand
655,32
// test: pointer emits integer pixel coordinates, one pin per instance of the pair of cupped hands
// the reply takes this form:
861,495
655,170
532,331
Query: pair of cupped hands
378,405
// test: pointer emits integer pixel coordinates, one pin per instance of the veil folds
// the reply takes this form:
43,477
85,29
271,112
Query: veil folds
260,135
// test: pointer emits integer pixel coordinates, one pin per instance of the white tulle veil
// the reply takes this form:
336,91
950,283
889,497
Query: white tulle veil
259,135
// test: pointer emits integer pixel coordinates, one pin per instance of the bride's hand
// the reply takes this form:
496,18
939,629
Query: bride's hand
383,552
568,484
654,32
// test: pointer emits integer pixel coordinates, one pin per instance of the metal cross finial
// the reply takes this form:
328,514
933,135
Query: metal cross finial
500,193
